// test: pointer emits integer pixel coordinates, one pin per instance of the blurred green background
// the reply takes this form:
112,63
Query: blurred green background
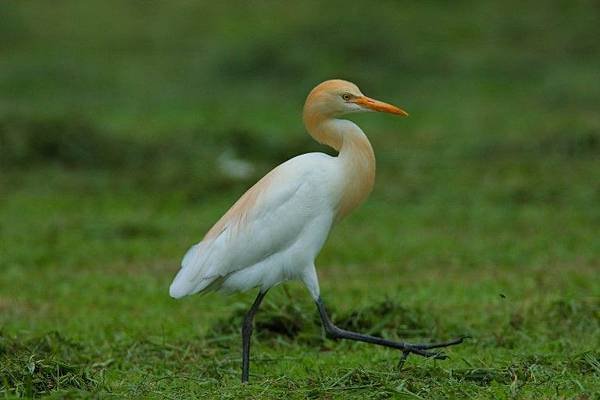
128,127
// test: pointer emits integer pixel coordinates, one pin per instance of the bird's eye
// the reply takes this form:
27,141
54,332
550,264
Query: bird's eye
346,96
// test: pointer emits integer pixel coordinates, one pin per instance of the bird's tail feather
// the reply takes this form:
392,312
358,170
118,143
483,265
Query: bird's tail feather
191,277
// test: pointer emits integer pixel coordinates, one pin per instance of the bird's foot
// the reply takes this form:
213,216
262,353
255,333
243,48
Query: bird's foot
422,350
448,343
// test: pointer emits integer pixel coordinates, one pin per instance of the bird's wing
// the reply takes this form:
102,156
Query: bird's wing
268,218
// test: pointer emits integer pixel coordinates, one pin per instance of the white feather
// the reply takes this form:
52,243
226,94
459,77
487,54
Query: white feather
274,240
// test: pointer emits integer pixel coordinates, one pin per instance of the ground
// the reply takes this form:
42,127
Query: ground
484,219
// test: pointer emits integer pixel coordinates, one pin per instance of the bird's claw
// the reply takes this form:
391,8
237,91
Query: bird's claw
448,343
422,350
436,355
423,353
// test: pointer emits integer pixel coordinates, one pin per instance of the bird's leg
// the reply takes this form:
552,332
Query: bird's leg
421,349
247,334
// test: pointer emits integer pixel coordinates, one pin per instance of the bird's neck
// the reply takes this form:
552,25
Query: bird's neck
356,160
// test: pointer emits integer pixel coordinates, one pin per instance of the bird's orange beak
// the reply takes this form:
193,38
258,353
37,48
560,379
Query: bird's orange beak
380,106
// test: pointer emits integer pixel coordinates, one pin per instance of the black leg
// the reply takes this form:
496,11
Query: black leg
247,334
421,349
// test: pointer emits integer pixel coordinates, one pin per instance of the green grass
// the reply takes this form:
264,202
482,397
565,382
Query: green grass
484,219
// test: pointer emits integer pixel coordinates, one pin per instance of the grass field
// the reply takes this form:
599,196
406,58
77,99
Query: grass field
484,221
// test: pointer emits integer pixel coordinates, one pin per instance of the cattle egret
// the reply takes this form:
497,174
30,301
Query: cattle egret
274,232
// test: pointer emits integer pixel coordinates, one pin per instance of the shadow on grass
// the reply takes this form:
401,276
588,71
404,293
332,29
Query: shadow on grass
300,322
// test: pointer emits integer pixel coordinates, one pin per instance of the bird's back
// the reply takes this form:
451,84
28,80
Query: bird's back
271,233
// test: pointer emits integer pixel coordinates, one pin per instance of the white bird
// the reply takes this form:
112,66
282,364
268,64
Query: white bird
274,232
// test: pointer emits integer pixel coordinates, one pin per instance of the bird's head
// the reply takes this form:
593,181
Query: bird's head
337,97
